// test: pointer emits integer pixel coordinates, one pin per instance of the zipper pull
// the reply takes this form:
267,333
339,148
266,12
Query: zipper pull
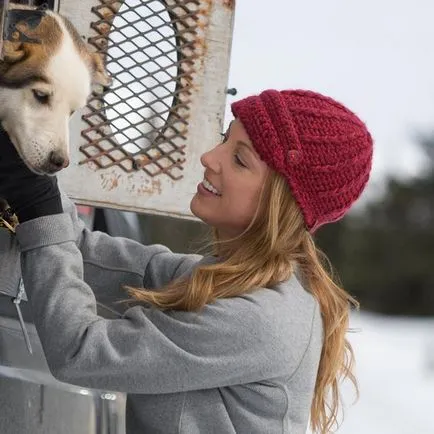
17,301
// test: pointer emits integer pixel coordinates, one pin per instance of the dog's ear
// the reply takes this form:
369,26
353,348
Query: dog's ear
12,51
99,74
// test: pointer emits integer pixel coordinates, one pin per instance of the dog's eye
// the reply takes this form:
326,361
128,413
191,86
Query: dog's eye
40,96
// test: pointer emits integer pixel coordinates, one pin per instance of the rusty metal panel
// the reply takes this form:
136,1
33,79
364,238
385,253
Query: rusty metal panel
136,145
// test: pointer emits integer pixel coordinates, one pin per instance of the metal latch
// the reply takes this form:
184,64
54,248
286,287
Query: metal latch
9,20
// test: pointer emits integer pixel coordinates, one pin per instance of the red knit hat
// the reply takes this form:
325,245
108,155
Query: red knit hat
322,149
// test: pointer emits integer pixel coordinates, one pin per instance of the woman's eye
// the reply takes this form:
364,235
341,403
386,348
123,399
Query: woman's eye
239,161
41,97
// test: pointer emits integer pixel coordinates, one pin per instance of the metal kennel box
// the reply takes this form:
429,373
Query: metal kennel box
136,145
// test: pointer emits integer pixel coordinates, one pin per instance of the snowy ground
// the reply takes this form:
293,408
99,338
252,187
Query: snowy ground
395,369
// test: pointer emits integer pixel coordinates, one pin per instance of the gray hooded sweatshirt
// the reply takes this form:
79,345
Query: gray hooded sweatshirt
241,365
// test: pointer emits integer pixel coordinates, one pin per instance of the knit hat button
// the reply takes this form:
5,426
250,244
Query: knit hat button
294,156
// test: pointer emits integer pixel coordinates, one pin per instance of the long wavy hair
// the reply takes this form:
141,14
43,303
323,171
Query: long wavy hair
266,253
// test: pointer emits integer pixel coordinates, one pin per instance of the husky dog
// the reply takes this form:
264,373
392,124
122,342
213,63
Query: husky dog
42,83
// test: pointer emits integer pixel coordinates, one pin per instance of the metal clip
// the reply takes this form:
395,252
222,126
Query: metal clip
7,218
17,301
28,18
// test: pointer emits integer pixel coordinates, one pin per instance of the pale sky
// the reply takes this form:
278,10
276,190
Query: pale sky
374,56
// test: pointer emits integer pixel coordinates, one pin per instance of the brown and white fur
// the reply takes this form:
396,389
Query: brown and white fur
41,85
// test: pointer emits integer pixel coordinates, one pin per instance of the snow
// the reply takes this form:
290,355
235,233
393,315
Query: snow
395,370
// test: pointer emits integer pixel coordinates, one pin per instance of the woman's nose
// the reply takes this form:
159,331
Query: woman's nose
209,160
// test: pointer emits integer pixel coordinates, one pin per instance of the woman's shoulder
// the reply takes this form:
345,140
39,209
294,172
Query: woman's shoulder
288,297
288,310
285,310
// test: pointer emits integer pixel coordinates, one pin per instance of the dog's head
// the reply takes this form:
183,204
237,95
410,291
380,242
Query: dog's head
41,85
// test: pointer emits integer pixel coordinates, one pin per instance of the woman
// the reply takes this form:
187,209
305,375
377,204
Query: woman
248,340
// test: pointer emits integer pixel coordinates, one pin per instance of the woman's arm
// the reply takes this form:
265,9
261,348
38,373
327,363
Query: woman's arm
114,261
233,341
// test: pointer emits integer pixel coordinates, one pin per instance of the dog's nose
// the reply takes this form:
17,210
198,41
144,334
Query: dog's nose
58,161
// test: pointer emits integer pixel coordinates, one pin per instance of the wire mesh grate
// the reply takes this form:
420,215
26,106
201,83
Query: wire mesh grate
151,49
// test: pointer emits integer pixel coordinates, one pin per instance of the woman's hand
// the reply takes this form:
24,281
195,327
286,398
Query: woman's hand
28,194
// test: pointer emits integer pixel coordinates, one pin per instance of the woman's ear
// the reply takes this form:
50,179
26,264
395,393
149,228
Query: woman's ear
99,73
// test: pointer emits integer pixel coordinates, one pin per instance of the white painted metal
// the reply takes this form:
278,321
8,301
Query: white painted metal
114,188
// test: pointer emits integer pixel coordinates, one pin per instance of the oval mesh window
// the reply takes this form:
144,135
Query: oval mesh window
150,48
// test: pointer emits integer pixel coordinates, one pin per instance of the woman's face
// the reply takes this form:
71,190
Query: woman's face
228,196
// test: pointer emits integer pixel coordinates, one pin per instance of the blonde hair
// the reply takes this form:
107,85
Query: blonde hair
263,255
